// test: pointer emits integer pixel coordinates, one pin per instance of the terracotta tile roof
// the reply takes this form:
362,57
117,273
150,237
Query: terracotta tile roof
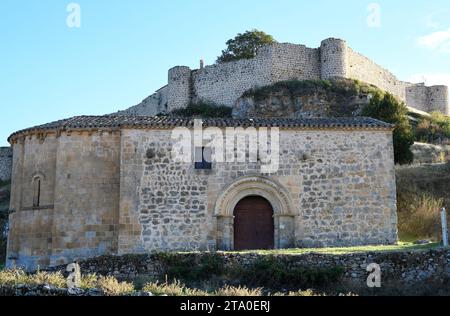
129,121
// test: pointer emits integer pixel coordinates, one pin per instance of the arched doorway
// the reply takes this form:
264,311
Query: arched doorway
253,224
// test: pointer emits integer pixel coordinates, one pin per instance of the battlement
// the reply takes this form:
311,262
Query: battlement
225,83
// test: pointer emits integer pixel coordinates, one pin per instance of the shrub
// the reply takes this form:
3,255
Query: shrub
204,110
3,236
191,267
111,287
435,128
273,272
4,183
245,46
388,109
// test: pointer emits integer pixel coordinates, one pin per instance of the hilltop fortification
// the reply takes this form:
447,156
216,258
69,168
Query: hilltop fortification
225,83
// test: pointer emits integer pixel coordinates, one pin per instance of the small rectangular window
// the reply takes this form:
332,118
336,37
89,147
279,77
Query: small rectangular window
203,158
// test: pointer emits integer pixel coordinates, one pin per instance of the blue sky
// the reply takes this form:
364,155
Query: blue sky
123,49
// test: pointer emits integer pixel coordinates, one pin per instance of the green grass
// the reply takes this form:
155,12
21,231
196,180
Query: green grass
402,246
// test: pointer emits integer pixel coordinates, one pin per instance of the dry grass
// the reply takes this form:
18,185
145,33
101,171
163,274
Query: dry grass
419,216
300,293
17,277
421,193
175,288
238,291
89,281
111,287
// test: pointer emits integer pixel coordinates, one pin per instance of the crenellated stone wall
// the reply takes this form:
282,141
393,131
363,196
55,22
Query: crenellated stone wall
6,156
225,83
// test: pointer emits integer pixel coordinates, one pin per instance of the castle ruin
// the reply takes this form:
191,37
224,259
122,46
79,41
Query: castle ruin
224,84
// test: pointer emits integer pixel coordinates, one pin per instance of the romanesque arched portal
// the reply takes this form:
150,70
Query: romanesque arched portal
255,186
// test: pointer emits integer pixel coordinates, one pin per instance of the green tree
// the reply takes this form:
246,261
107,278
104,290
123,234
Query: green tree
245,46
387,108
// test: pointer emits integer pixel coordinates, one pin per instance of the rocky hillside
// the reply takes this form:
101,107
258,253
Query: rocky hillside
310,98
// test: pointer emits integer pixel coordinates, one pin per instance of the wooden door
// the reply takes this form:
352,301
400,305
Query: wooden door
253,224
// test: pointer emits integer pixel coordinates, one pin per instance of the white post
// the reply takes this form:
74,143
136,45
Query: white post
444,227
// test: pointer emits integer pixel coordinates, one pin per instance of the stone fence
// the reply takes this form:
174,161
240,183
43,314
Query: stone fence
402,268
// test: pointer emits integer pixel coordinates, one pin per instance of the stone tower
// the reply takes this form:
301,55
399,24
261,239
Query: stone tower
179,88
333,59
438,99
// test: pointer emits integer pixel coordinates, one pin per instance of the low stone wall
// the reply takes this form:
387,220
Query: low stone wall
403,268
5,163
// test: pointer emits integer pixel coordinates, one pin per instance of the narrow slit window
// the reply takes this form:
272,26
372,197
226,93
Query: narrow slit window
37,183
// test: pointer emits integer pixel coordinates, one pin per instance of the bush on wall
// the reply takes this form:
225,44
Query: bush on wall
245,46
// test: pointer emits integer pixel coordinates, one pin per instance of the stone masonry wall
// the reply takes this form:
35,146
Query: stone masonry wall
364,69
224,83
31,225
119,192
153,105
417,96
5,163
79,198
342,186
